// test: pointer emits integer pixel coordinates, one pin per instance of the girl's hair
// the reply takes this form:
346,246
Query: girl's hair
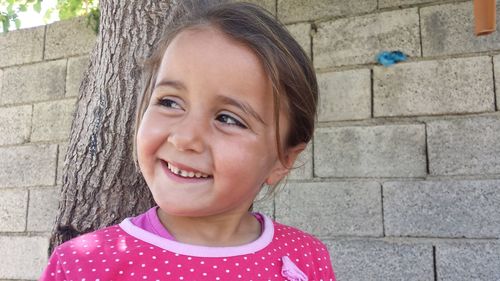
285,62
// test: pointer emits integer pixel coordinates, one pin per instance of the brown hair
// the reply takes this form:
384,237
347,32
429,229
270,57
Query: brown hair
285,62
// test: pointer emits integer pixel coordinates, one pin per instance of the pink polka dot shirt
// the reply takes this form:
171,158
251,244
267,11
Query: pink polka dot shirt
133,250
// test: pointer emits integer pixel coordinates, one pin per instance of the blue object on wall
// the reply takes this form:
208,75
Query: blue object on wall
389,58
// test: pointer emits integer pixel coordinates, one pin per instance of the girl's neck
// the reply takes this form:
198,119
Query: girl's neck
226,230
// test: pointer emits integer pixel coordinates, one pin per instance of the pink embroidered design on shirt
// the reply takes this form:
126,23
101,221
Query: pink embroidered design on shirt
291,271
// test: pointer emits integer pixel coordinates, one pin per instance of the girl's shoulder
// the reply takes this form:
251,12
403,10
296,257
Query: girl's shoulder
95,242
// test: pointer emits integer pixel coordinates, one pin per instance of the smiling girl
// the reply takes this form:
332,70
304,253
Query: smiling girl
229,103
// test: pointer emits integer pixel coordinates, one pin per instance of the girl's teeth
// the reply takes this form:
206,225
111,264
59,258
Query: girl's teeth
183,173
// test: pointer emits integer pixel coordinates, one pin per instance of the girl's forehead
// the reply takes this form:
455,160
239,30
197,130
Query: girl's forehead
220,57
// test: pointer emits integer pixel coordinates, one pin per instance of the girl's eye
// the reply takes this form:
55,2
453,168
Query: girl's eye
228,120
169,103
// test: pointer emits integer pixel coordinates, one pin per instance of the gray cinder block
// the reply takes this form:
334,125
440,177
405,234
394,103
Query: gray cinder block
68,38
52,120
16,124
28,165
23,257
372,151
74,77
357,40
398,3
42,208
35,82
13,208
458,209
468,261
328,209
344,95
465,146
449,86
21,46
361,260
298,10
449,29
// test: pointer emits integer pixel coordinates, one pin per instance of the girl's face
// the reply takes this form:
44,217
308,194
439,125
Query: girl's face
207,141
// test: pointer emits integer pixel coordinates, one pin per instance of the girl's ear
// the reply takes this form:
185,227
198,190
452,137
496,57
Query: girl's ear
280,170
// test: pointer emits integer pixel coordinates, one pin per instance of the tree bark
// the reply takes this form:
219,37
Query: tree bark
101,184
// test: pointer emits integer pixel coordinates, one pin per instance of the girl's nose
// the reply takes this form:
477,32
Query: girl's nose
188,135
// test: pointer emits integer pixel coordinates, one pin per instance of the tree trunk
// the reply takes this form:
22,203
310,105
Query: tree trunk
101,185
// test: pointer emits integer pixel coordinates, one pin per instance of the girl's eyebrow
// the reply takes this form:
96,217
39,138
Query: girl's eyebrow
245,107
171,83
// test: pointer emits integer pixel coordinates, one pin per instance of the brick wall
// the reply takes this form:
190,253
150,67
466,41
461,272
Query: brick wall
40,73
401,181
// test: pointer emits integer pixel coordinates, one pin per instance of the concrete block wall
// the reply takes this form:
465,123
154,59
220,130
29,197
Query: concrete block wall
404,175
401,181
40,73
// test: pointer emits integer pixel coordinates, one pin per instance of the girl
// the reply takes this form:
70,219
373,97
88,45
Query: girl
229,103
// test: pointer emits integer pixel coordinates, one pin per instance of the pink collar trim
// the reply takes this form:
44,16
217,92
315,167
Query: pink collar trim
202,251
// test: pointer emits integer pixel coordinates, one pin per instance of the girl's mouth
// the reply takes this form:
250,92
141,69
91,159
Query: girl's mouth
183,173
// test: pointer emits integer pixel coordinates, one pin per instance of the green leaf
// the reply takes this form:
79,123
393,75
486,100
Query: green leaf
48,14
23,7
37,6
18,23
5,24
10,9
